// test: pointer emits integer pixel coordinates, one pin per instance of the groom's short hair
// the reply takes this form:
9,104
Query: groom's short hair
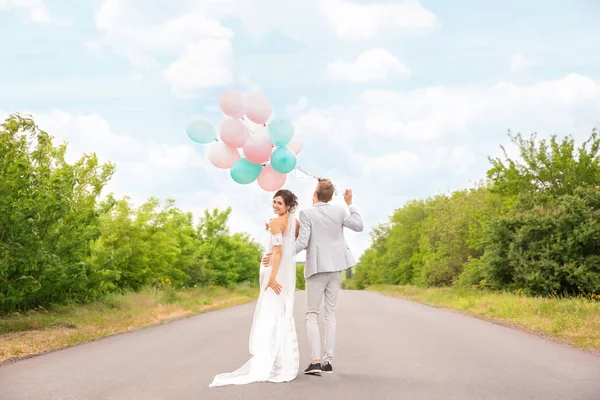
325,190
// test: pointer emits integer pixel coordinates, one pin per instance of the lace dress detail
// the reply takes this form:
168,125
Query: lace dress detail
277,239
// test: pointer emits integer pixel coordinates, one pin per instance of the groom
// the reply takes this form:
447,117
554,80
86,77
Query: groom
327,255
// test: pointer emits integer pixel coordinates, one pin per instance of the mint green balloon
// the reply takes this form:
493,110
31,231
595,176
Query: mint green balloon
283,160
245,171
281,132
200,130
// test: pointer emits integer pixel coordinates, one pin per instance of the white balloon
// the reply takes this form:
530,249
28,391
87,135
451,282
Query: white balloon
295,145
223,156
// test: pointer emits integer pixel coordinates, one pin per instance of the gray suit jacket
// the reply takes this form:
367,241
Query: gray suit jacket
322,234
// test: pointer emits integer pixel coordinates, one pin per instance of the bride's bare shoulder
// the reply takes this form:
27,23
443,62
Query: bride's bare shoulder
278,225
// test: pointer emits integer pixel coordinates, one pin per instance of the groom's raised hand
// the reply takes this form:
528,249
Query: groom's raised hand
348,196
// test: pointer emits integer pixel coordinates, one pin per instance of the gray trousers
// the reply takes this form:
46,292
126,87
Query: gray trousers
323,285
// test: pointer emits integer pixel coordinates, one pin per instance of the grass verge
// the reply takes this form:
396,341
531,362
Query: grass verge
573,321
40,331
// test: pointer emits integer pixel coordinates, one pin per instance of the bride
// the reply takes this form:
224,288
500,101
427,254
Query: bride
273,341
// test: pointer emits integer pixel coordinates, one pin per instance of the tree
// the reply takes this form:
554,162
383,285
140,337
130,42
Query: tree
225,259
547,166
49,215
393,256
532,226
59,242
161,247
547,244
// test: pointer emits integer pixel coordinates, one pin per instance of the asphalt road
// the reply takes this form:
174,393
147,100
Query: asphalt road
387,348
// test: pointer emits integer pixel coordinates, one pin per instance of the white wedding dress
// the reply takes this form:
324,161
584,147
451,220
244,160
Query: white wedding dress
273,342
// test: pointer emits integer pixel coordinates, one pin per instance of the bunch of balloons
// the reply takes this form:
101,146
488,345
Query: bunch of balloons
250,146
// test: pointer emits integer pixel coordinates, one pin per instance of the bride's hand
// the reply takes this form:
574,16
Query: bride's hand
273,284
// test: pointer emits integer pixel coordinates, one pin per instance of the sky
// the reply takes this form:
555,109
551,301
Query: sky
396,100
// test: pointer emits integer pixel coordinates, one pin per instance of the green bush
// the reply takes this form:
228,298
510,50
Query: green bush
532,226
59,243
49,215
547,245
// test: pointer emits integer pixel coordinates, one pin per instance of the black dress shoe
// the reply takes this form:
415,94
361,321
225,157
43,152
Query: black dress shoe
327,368
314,369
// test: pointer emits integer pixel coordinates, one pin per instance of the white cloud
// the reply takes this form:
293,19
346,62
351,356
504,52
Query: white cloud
198,46
429,113
37,10
298,108
519,62
391,146
261,17
77,89
402,163
206,64
314,122
40,15
149,36
345,18
131,30
142,166
372,65
351,20
458,159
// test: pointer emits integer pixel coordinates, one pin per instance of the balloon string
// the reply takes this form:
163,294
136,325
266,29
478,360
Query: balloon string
308,174
248,127
300,169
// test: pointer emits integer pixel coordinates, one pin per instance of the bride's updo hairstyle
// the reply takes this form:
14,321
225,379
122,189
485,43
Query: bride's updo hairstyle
289,199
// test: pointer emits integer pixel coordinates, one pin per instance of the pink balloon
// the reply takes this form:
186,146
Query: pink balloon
234,132
258,148
232,103
295,145
271,180
222,156
258,108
